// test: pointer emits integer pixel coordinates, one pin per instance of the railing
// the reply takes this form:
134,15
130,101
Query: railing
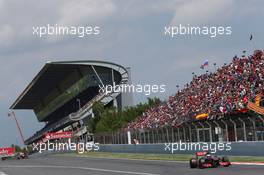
246,128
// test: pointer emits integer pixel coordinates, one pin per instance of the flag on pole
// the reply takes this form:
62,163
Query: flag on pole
206,63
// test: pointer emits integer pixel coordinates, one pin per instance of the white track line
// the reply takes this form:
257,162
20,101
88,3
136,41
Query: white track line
248,163
81,168
131,159
169,161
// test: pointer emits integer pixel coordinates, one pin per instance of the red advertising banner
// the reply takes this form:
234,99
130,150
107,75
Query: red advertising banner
58,135
7,151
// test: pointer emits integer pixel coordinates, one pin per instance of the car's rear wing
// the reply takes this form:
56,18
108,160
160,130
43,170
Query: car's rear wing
202,153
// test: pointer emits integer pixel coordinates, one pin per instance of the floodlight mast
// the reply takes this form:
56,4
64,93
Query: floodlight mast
18,126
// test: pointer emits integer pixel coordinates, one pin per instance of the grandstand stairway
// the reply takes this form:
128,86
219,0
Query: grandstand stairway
86,110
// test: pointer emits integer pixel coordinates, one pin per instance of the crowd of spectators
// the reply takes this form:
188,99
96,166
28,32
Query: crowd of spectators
226,91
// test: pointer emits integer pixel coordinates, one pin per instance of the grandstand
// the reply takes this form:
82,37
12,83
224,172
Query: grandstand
224,105
62,94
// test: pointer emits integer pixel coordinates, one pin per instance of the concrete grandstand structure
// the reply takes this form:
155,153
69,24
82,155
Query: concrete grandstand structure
62,94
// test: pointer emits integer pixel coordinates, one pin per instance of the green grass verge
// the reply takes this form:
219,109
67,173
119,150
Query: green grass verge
165,157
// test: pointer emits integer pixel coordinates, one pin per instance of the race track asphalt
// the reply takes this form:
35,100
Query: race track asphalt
67,165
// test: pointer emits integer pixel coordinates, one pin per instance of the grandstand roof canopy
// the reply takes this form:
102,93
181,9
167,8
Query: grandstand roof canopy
47,79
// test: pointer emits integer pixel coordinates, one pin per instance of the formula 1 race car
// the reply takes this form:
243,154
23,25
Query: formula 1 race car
206,160
18,156
21,155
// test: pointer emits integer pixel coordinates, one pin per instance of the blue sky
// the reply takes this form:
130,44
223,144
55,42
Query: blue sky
132,34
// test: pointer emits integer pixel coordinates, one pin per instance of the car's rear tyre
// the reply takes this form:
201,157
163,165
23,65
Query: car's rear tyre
193,163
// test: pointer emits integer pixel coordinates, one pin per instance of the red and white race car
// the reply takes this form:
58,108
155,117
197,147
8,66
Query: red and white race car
207,160
9,153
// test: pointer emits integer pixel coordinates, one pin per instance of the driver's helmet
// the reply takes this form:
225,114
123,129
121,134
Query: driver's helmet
208,155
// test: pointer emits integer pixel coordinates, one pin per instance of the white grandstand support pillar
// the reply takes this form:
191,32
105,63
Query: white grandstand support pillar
226,128
167,135
104,138
184,134
254,128
115,142
202,130
197,132
172,134
235,128
118,138
210,130
139,137
220,139
148,137
144,137
190,132
178,134
153,136
129,137
244,128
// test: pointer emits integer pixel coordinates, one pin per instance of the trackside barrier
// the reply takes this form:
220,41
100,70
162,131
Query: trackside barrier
238,149
240,129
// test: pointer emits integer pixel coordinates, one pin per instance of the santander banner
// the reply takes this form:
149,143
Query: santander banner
58,135
7,151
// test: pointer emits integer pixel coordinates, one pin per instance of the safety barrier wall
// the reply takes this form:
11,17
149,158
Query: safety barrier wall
237,149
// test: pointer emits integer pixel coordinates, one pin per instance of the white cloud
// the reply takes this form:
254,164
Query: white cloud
7,35
202,11
75,12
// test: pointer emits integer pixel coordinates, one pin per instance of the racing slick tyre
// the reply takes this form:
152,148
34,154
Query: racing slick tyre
193,163
201,162
225,159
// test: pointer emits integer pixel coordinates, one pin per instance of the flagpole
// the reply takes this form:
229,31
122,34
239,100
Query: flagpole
253,42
